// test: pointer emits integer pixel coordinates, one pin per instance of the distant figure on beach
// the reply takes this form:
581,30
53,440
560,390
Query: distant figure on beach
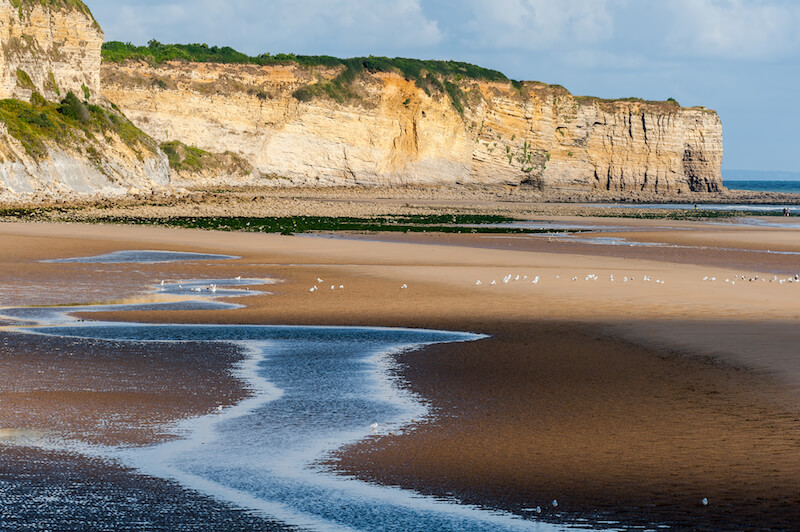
695,206
786,211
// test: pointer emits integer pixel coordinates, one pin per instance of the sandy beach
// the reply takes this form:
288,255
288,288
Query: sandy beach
626,400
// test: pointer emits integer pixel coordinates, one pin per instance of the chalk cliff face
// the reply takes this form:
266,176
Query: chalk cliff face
394,132
47,49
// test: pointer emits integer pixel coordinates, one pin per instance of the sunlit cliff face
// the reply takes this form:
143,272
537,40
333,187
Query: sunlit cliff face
394,132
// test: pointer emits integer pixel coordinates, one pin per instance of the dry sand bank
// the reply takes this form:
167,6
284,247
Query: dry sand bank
630,400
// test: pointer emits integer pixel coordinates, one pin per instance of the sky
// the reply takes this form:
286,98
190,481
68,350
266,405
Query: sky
739,57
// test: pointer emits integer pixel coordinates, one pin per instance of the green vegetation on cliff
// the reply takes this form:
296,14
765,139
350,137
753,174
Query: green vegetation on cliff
71,123
53,4
193,160
431,75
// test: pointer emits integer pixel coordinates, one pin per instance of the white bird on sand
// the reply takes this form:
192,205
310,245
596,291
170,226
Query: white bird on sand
341,287
162,283
554,503
374,426
238,278
219,409
404,286
478,283
494,283
705,278
313,289
333,287
320,280
704,501
538,509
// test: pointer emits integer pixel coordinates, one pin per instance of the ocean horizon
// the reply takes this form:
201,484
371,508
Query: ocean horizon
762,181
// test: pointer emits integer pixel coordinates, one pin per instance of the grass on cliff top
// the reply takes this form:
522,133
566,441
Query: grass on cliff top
157,53
69,123
22,5
429,75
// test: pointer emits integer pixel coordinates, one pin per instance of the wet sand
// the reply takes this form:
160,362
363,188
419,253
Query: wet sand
628,402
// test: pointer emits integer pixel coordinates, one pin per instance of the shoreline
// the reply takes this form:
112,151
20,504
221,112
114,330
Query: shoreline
276,201
442,295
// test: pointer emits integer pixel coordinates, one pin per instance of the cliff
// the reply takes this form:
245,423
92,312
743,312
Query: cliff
381,127
48,146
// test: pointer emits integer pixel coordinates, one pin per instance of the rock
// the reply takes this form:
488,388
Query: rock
52,48
395,133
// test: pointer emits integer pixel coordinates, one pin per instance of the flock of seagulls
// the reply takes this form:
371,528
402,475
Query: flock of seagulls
592,277
757,279
320,281
646,278
589,277
316,288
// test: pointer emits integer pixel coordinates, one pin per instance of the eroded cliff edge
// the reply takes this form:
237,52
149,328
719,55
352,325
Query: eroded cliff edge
293,125
50,49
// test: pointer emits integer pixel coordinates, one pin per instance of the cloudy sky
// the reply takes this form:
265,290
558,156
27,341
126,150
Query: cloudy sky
739,57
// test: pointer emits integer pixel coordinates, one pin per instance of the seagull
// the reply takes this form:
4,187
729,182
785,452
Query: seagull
312,289
341,287
374,426
333,287
704,501
162,283
320,280
554,503
494,283
238,278
404,286
478,283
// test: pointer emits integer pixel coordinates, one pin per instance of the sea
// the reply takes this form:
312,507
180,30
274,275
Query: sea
762,181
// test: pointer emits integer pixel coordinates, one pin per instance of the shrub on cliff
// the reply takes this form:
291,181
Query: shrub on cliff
431,76
75,109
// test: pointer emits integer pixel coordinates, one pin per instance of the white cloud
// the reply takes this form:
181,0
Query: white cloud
540,24
735,29
303,26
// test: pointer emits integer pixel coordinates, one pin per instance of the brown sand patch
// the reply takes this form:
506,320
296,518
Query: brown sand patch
611,430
